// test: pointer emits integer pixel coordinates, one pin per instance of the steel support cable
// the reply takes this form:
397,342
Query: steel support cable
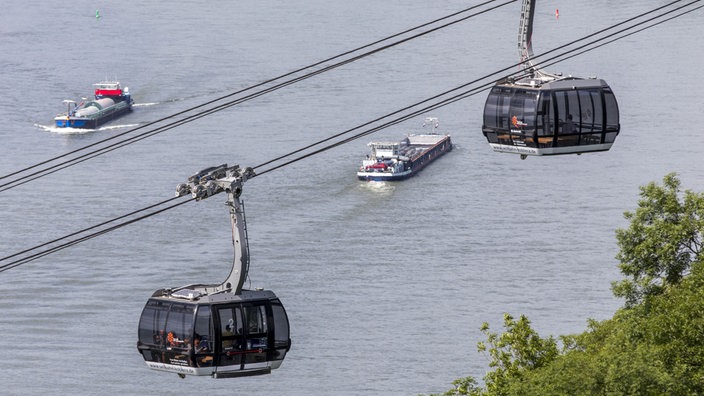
454,89
46,171
238,101
64,245
602,44
255,86
210,111
248,88
445,102
88,229
464,94
487,86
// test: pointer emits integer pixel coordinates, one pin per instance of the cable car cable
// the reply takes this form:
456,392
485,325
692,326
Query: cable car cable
65,164
437,105
550,114
488,85
472,91
54,249
252,96
88,229
80,159
393,122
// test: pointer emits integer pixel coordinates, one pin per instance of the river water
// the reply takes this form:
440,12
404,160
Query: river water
386,285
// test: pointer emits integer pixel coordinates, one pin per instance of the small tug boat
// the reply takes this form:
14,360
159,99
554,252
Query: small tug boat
111,101
400,160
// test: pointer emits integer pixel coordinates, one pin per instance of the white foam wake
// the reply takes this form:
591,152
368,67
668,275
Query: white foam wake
78,131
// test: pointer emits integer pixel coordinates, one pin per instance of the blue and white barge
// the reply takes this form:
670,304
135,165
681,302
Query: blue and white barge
111,101
400,160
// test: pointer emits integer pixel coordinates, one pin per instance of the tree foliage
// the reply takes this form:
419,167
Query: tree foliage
662,241
643,350
656,349
652,346
515,351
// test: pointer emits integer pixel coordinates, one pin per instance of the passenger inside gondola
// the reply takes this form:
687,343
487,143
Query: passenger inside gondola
201,352
568,126
160,338
198,345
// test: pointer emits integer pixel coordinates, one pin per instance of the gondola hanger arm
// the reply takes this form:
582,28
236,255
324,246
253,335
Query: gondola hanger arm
214,180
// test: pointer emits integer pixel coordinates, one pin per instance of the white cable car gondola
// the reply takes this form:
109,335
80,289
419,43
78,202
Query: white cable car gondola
217,330
547,114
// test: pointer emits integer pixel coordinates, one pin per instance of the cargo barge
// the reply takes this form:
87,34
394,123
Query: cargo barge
400,160
111,101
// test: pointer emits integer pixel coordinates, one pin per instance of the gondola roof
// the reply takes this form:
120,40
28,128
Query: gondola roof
561,83
195,295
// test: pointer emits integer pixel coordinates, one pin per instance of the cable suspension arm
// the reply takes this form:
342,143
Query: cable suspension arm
209,182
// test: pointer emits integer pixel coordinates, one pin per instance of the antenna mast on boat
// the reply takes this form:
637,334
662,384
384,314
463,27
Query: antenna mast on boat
69,102
433,122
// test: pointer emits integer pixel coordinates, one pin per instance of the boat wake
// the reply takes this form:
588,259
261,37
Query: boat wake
145,104
107,128
378,187
79,131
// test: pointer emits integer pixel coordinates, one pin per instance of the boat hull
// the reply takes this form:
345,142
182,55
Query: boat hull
383,176
94,120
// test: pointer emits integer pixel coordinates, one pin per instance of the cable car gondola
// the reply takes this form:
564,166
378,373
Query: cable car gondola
217,330
540,113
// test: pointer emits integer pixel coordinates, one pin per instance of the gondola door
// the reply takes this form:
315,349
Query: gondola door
545,121
231,336
245,339
257,343
203,338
